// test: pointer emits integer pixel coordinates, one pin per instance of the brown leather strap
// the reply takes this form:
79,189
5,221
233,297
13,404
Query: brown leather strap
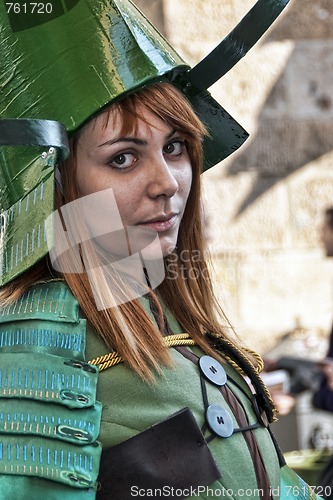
249,436
251,441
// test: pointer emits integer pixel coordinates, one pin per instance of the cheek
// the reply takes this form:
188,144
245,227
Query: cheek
185,181
86,186
89,182
129,198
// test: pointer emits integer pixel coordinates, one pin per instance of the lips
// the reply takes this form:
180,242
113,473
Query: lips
161,223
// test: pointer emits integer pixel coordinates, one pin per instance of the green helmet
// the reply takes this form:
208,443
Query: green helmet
61,63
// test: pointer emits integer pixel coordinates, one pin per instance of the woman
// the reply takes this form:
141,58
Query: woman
147,147
170,407
152,159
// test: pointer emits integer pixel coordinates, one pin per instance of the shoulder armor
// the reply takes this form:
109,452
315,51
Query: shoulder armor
49,416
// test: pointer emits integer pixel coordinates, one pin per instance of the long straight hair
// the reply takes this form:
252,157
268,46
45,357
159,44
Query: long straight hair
187,289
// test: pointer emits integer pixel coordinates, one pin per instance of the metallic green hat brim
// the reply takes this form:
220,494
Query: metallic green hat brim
68,68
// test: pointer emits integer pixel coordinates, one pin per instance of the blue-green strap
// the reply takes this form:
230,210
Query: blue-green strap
25,417
55,460
30,132
48,301
49,378
53,337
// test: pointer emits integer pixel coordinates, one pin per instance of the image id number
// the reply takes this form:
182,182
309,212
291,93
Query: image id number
28,8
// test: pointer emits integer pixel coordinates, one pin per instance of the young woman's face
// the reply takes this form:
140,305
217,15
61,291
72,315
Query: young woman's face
149,172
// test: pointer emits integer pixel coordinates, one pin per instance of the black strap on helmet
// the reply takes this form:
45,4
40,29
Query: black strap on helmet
235,45
25,132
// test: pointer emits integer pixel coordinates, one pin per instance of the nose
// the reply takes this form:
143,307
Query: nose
162,178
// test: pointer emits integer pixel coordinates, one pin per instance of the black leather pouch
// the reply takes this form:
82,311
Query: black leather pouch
171,455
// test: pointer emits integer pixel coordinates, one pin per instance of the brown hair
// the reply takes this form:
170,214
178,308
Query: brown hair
329,217
127,328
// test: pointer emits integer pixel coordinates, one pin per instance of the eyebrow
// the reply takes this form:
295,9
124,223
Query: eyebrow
141,142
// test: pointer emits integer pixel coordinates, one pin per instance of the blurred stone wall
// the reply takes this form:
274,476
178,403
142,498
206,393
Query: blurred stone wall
265,203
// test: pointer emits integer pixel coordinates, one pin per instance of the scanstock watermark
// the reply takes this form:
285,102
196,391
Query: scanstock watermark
87,235
300,491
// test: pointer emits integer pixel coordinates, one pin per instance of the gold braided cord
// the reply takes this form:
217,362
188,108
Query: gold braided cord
180,339
113,358
260,362
256,370
259,369
233,364
110,363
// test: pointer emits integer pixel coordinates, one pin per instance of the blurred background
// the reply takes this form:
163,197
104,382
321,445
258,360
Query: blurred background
264,205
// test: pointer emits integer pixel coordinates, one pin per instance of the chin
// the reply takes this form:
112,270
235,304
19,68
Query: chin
158,250
168,245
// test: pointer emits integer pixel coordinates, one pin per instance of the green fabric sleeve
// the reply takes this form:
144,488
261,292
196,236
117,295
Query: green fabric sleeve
292,486
49,416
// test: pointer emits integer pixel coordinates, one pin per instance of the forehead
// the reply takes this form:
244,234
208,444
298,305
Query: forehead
111,117
117,121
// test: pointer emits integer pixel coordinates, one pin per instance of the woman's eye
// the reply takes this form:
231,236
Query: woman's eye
174,148
123,160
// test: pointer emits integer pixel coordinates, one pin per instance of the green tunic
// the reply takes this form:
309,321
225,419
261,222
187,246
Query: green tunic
53,408
131,406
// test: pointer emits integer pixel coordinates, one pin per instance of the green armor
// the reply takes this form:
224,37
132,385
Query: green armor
49,417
